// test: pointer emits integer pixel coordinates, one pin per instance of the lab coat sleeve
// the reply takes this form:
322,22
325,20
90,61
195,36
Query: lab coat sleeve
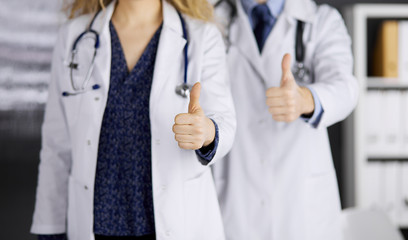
216,99
55,157
332,63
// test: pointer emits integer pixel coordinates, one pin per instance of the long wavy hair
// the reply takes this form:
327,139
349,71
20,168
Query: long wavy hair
199,9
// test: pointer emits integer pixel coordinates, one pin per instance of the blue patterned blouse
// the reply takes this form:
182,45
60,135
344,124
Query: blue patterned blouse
123,202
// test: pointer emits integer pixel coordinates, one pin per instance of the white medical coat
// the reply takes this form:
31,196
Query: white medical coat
278,182
184,195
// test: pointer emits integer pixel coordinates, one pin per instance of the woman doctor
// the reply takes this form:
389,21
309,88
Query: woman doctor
125,153
278,182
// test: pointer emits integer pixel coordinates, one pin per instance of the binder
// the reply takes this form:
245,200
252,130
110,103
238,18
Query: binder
391,134
403,51
386,51
404,123
372,194
390,190
373,122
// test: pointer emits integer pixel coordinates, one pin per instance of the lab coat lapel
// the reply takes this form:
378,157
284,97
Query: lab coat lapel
282,34
169,53
276,38
243,38
304,10
294,10
101,71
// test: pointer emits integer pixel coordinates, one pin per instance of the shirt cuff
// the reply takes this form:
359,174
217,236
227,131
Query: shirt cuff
314,120
206,154
53,237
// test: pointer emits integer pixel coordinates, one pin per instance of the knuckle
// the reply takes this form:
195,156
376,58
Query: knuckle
291,103
290,118
199,131
196,118
177,118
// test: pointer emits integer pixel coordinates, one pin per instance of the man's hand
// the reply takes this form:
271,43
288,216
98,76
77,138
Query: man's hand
287,102
193,130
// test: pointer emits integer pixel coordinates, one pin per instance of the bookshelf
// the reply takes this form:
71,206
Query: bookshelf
380,179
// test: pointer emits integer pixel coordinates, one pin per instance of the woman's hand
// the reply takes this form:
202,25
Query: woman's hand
193,130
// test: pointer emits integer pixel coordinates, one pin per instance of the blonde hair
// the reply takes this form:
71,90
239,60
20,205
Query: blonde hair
199,9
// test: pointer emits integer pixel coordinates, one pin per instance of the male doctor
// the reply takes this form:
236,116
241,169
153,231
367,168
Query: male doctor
278,182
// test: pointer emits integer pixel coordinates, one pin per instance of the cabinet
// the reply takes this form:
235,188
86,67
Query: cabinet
376,175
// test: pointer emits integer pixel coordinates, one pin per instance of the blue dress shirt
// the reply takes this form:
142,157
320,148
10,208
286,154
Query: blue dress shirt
276,8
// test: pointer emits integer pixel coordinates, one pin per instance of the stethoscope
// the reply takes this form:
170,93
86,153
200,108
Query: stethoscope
300,71
182,90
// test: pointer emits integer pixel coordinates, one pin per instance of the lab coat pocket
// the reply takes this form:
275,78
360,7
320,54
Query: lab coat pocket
201,205
322,206
192,197
72,108
79,210
72,205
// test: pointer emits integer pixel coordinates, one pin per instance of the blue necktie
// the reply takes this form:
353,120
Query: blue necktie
263,22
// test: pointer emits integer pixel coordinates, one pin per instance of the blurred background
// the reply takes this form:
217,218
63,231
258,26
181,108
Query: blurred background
27,35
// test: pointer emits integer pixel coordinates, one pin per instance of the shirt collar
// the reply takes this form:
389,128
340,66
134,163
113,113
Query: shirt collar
275,6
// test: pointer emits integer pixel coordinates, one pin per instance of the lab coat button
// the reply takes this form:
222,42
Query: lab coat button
168,233
157,141
96,99
163,187
89,142
86,187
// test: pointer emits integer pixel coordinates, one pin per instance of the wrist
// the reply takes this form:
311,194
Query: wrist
209,133
308,105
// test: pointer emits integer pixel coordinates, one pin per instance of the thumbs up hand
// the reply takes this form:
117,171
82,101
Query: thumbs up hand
287,102
193,130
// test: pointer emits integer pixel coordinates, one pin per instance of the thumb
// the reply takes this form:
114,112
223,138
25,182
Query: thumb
194,104
287,77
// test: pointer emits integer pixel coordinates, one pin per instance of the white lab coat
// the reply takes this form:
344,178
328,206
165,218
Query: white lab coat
184,195
278,182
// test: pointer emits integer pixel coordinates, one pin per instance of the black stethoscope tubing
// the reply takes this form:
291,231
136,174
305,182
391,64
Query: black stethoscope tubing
300,47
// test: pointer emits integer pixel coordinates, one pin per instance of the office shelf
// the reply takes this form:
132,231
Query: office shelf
373,180
377,83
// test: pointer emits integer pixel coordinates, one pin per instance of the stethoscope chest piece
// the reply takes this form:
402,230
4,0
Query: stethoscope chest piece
183,90
301,73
